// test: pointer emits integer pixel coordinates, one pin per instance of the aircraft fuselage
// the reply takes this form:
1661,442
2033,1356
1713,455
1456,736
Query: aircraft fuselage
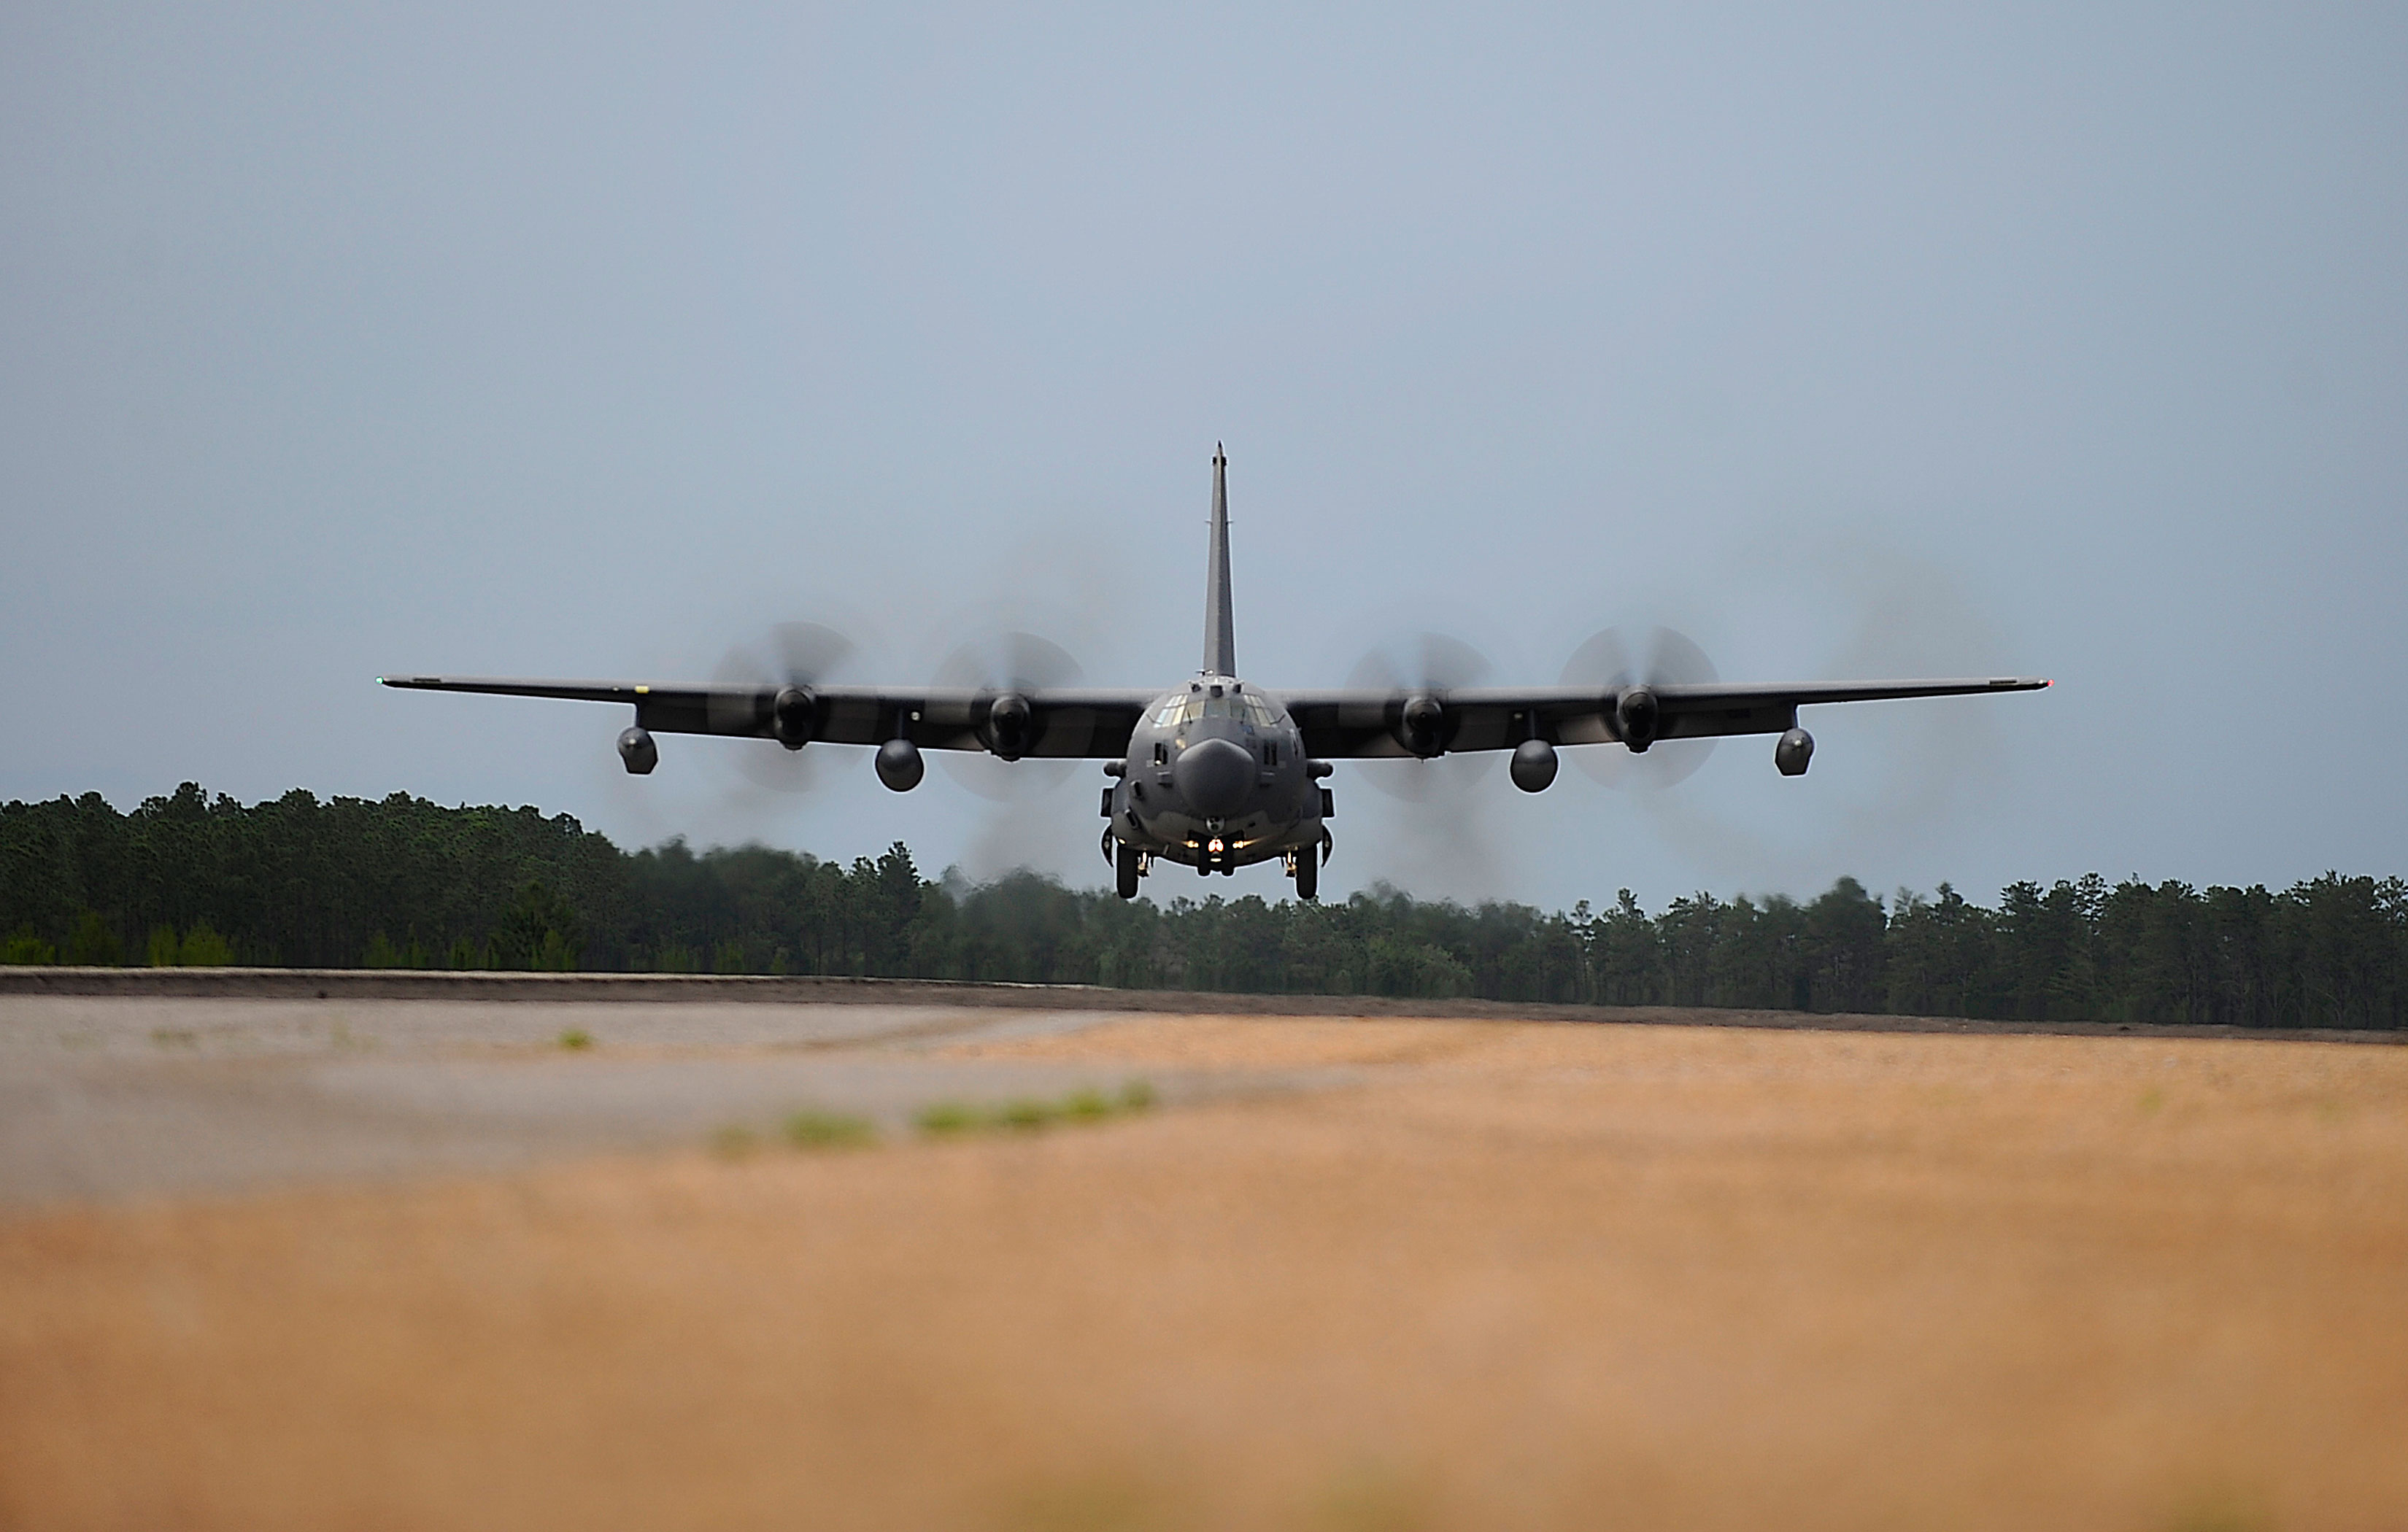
1216,777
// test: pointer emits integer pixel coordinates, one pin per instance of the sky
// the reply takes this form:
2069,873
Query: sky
1847,341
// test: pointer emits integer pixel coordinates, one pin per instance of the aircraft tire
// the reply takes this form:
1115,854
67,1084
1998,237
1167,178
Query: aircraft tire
1308,874
1125,863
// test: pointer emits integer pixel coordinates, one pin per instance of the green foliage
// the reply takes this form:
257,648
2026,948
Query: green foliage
948,1117
1086,1106
670,958
298,880
558,953
576,1039
383,952
93,942
24,946
201,948
537,931
830,1130
1027,1114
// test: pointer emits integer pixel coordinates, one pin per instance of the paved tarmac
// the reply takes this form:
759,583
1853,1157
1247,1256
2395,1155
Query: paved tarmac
111,1098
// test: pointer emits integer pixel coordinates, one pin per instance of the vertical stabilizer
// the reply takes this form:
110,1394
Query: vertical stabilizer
1220,642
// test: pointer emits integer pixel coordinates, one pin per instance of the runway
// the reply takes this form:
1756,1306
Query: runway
107,1099
288,1262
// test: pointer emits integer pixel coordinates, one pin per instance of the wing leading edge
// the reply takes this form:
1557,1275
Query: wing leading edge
1064,721
1367,723
1097,722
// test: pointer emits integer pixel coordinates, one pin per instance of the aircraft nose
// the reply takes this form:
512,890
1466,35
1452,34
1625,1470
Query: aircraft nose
1214,777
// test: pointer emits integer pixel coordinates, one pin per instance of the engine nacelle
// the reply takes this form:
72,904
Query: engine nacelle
791,715
1421,726
1636,715
1796,749
1534,766
636,748
899,765
1010,721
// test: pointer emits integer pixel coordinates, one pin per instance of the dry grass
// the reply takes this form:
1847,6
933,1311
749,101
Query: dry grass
1516,1276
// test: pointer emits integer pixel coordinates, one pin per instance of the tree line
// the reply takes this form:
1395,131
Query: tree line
403,882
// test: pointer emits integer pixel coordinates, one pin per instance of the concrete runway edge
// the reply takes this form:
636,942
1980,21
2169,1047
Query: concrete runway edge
814,989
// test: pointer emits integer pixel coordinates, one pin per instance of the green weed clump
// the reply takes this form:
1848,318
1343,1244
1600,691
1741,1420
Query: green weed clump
1086,1106
805,1130
830,1130
1030,1114
949,1117
576,1039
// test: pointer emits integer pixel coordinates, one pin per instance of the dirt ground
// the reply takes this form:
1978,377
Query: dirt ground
1483,1275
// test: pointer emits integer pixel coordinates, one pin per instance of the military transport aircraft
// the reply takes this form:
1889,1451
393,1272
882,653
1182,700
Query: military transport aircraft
1216,773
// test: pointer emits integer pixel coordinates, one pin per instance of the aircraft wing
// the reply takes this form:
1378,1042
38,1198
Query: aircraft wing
1367,723
1072,721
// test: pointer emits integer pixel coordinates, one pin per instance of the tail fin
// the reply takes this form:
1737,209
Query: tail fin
1220,642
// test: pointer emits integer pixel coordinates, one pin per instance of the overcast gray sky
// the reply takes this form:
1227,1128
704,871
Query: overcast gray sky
1849,341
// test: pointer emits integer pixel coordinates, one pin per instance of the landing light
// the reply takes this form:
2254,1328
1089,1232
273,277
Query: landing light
1216,848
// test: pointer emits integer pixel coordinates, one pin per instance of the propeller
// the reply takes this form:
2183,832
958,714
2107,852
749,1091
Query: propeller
1009,661
1654,656
788,654
1418,662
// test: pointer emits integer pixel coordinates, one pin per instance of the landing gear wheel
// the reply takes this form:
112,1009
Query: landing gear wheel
1124,865
1308,874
